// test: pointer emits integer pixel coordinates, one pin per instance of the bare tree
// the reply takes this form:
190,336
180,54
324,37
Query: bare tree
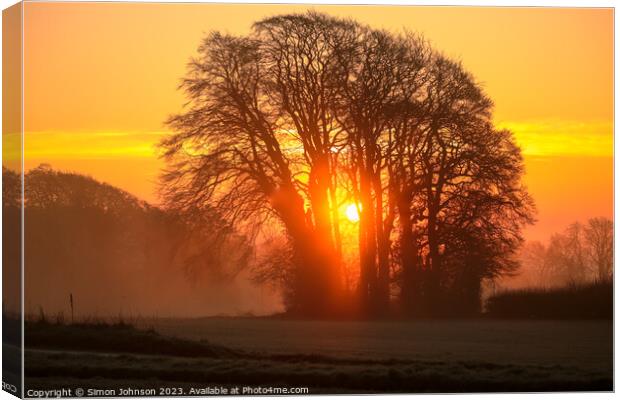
534,265
378,75
599,234
299,55
462,206
567,256
579,254
232,152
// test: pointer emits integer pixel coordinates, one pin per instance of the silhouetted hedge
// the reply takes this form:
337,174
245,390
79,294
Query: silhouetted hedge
588,301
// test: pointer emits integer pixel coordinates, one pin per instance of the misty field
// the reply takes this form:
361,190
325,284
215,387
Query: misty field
326,356
578,343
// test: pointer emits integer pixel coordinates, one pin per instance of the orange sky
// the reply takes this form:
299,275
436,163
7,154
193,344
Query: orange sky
101,78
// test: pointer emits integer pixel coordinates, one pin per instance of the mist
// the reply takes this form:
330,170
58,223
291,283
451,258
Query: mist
117,256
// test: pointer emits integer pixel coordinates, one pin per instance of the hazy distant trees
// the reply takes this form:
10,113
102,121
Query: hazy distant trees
112,251
567,255
310,112
581,253
11,188
535,270
599,235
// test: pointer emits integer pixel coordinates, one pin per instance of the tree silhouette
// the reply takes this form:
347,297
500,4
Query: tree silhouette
310,111
232,151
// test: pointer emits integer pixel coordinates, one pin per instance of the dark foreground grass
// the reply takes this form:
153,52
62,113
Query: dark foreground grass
102,355
588,301
48,369
117,337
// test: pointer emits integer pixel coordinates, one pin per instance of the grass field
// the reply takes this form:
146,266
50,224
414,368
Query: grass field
575,343
325,356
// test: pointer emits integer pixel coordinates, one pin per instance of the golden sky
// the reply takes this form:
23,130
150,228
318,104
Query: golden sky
100,79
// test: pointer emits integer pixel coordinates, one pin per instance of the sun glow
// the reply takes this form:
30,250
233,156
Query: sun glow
351,213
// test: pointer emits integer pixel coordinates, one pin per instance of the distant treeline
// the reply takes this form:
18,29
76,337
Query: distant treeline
580,254
113,253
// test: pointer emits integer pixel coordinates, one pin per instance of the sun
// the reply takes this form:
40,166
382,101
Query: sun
351,213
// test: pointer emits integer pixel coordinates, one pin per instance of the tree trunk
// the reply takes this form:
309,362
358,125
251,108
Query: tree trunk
367,232
313,291
432,292
383,228
409,256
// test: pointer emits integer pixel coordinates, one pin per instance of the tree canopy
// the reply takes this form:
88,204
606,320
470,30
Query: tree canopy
309,112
